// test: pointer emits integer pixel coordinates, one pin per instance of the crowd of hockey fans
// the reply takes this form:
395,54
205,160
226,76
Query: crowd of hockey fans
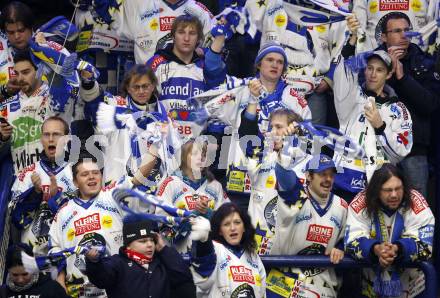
159,148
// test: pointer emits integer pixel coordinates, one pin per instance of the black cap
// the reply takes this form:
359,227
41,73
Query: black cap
136,228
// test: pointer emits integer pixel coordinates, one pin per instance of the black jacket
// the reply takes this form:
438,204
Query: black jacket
419,90
167,276
44,288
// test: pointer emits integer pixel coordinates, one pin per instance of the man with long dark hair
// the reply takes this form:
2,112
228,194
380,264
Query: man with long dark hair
310,221
388,224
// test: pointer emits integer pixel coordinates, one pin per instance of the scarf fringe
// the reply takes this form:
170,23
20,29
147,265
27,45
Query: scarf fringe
387,288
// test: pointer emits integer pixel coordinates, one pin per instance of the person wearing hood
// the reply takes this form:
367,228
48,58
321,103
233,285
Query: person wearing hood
371,114
37,191
25,282
144,267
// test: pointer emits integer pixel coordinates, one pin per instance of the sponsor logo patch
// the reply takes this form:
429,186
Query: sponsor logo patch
242,274
87,224
358,204
418,203
164,185
166,23
385,5
318,233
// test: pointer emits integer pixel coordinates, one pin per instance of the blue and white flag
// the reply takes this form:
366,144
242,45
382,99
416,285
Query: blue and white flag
61,28
239,20
426,35
51,56
316,12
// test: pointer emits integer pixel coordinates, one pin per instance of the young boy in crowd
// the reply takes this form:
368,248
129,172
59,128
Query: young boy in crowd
144,267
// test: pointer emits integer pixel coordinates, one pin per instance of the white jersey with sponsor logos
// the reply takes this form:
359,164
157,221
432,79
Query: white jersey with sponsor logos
26,114
6,60
309,50
263,202
233,276
179,192
124,150
413,228
392,145
228,107
178,82
371,14
79,223
306,227
36,231
148,23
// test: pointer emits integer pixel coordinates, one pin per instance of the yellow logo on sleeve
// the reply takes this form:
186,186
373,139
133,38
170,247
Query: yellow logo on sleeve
373,7
107,221
416,5
70,234
154,24
280,20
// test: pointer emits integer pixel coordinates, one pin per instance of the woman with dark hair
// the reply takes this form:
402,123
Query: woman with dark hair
390,224
138,97
224,262
192,187
23,281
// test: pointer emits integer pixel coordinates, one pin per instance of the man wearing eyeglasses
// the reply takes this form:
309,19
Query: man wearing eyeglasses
417,84
36,193
372,14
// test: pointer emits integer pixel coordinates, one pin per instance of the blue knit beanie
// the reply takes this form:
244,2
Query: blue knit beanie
270,47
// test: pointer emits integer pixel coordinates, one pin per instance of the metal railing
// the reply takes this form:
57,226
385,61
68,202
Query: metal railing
324,261
347,263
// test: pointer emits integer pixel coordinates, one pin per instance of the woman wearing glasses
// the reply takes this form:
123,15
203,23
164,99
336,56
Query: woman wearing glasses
389,224
138,96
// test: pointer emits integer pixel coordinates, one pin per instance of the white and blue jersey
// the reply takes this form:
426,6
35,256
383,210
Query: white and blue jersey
228,106
27,114
177,82
148,23
392,144
123,153
305,226
411,228
33,212
180,191
228,272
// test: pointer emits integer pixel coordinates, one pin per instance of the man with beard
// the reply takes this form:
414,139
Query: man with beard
310,221
23,114
37,190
